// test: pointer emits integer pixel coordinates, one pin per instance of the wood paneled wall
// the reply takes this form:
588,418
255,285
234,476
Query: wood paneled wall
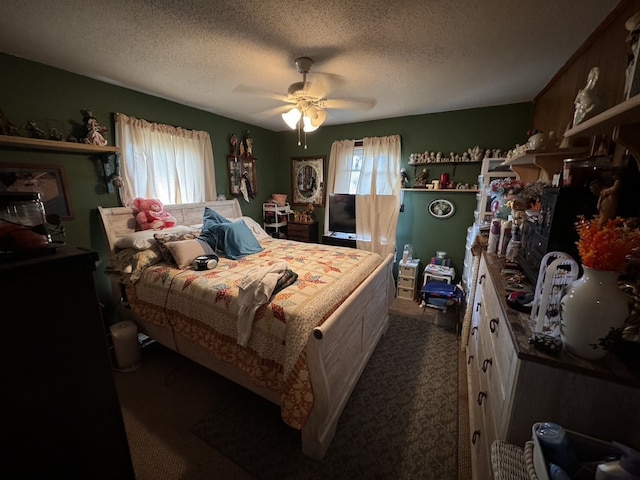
605,48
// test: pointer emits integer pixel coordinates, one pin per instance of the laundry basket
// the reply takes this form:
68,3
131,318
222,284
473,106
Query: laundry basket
125,345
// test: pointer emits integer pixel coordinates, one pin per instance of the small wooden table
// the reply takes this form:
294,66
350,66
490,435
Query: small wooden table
303,231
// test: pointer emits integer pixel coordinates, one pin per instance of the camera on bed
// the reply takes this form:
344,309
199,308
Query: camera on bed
206,262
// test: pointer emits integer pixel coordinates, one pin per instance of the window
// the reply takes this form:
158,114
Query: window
354,171
371,170
172,164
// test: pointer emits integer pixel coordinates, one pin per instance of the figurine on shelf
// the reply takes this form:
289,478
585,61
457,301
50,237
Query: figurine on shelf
6,128
54,134
95,131
422,179
607,198
587,101
404,177
34,131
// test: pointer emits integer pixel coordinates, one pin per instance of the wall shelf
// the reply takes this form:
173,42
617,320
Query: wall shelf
470,162
623,119
540,164
53,145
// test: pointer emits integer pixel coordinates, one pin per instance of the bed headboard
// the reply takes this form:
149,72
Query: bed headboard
121,221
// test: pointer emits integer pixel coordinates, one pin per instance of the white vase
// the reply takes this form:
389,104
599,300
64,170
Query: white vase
592,306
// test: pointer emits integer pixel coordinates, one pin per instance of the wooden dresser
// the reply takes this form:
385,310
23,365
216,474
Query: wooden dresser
60,415
513,385
303,231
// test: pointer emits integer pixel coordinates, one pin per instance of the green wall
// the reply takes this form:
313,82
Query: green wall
55,98
491,127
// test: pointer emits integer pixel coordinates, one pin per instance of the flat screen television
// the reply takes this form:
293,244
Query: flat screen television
342,213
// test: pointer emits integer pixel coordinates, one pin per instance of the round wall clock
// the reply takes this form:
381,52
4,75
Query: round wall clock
441,208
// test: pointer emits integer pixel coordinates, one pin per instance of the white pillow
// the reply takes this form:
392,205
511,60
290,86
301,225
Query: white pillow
254,226
184,252
144,239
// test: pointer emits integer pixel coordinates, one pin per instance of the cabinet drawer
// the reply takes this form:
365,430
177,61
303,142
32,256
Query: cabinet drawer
303,232
481,435
407,271
495,333
404,292
298,229
407,282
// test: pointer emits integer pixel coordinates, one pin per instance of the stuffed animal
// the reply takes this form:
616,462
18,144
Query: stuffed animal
150,214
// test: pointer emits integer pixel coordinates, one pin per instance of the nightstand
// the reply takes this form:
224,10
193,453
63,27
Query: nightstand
303,231
408,278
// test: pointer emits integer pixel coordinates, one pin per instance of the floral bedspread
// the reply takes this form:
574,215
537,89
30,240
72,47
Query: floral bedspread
203,306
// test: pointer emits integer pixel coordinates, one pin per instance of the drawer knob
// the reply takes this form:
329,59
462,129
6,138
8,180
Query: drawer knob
469,359
493,324
481,396
475,436
486,363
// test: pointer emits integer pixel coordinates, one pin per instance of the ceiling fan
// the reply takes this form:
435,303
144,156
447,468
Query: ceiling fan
308,99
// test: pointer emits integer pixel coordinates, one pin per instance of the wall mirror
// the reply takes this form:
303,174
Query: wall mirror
237,167
307,180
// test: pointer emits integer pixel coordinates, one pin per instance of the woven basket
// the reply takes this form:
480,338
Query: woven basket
280,199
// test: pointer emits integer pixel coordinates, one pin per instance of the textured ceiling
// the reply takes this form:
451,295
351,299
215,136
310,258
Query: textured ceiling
409,56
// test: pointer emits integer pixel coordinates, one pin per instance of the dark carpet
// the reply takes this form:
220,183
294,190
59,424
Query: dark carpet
400,422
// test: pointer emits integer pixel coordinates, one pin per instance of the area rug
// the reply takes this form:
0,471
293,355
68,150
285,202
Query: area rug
400,422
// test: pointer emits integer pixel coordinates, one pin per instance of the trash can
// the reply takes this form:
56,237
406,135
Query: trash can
126,346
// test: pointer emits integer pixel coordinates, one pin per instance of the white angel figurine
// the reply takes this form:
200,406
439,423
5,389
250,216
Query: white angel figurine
587,101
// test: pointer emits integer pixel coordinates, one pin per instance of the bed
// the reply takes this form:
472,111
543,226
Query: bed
306,347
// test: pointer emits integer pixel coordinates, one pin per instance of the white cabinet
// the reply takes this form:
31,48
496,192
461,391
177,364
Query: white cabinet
408,278
492,168
512,385
275,218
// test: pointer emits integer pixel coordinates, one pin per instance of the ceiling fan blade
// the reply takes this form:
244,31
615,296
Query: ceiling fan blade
260,92
274,111
349,104
322,84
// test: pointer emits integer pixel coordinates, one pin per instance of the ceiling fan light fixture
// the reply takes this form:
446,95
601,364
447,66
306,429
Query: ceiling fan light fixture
292,117
308,125
316,115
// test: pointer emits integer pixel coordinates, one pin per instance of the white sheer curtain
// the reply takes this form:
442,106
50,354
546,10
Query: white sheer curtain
377,191
169,163
340,169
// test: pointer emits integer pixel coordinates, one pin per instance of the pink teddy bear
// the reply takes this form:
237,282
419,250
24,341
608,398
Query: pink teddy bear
150,214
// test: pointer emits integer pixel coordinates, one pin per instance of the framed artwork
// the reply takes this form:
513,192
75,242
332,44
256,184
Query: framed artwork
239,167
441,208
307,181
47,180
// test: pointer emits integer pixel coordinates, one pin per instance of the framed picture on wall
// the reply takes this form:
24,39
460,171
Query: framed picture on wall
441,208
239,167
47,180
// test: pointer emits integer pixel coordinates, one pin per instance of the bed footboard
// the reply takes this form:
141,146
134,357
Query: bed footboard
338,351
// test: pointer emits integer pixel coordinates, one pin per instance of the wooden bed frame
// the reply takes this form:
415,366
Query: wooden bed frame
337,351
